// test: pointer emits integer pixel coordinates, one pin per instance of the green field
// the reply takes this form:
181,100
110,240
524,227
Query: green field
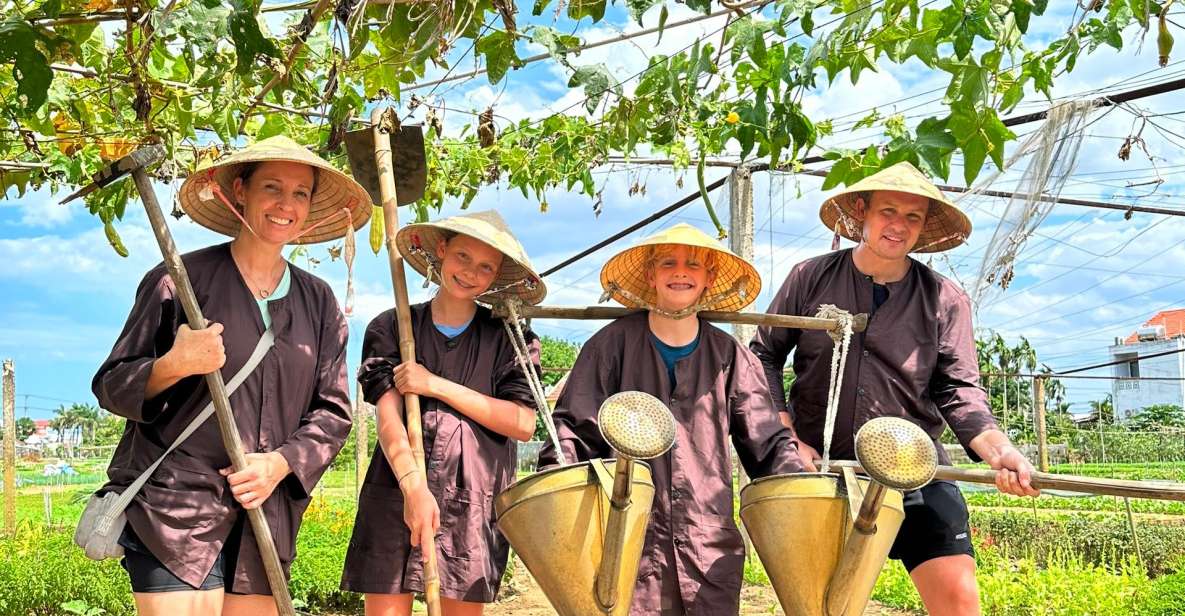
1066,555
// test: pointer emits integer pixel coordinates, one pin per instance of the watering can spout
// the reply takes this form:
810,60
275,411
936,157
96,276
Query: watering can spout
896,454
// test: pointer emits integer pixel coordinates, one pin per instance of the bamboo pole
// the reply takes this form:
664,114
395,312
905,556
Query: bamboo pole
9,447
860,321
384,122
361,439
1127,488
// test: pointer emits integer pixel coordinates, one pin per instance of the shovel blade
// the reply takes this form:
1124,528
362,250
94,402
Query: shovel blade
408,162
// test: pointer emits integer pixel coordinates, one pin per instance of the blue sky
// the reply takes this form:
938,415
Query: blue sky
1093,275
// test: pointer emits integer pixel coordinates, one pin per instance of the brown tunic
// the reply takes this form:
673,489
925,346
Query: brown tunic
694,556
468,464
916,360
295,403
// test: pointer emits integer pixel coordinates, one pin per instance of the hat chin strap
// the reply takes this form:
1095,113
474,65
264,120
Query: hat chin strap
739,287
212,191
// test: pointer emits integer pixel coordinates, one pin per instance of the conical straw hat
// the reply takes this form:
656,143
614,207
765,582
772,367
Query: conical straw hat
737,282
946,225
417,243
335,191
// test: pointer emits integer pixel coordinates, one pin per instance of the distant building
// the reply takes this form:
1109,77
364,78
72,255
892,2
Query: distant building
1163,332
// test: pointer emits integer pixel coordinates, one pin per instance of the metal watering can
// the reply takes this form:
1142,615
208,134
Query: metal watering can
580,528
824,537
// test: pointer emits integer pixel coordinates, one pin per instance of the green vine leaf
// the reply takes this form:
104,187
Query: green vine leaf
596,81
250,42
18,44
498,49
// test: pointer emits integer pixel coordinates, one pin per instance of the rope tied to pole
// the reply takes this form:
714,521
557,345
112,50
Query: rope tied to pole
841,335
510,320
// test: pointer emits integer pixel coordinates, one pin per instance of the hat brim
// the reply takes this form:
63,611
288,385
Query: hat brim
335,192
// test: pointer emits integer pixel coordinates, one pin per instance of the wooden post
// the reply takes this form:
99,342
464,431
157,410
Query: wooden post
1039,414
9,447
361,438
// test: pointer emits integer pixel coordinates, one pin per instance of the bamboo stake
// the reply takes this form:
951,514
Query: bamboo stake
9,446
1127,488
860,321
383,121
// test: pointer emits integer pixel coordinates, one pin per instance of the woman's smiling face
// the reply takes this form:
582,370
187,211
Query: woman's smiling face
276,197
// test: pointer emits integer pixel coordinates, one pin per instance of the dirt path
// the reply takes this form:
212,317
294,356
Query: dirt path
522,597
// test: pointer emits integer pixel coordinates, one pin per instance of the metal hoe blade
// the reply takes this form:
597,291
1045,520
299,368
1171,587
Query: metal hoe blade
408,162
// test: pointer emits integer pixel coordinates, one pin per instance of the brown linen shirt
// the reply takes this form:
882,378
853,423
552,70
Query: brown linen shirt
468,464
294,402
694,557
916,360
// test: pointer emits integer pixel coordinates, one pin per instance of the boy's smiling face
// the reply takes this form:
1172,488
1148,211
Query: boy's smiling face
679,275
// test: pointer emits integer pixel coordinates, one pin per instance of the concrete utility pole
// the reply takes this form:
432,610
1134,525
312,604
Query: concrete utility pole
740,233
1039,415
740,241
9,446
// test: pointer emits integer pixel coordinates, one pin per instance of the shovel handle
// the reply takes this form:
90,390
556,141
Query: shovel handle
226,422
407,342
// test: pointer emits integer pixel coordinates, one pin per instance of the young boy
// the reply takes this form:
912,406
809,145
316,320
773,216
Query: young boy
476,403
694,556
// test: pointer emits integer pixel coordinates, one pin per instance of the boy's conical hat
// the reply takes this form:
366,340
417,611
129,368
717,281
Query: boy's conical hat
417,243
946,225
737,282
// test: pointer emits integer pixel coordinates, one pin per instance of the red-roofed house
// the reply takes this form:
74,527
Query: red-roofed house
1163,333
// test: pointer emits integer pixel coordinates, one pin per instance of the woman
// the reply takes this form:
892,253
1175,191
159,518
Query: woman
476,402
187,548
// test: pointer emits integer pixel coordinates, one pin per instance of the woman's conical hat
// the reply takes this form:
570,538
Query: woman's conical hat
335,191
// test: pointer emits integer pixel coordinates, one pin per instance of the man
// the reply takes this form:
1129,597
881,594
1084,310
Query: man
916,360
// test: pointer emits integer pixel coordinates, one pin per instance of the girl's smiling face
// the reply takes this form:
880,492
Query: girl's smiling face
467,266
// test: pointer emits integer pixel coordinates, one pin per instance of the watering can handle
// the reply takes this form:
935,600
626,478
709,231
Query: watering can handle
604,476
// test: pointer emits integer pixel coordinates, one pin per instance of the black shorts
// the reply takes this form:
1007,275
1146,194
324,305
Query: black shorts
935,525
149,575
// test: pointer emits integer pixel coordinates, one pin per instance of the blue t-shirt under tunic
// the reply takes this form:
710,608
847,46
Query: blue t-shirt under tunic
281,291
452,332
672,354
